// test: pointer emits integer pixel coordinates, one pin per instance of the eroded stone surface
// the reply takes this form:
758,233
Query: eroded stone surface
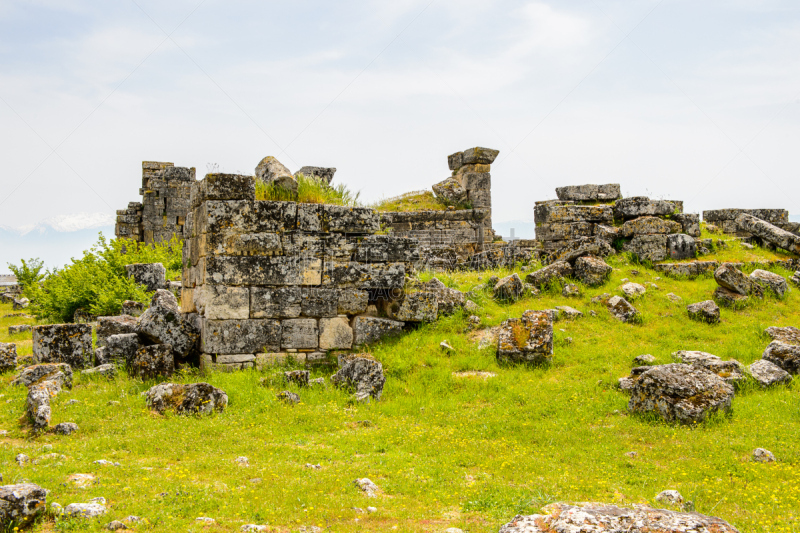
706,311
621,308
527,339
770,281
60,373
192,398
588,193
768,374
163,323
153,361
733,279
370,329
8,356
592,271
731,371
553,272
63,343
152,275
21,504
680,392
361,374
786,356
788,335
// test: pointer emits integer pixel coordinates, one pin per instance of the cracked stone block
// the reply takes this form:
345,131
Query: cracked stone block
114,325
241,336
335,334
370,329
414,307
299,333
352,302
222,302
315,302
63,343
152,275
153,361
281,302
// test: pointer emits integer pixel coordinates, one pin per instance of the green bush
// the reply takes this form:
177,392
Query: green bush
97,282
30,273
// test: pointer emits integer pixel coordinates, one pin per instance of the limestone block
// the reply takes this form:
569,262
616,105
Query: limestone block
363,276
270,171
414,307
454,161
163,323
639,206
259,270
481,198
449,300
152,275
770,281
474,181
114,325
581,246
385,249
706,311
681,246
309,217
649,247
733,279
551,213
344,219
323,173
560,232
554,271
729,298
478,156
335,334
649,225
273,216
189,398
527,339
352,301
450,190
120,348
240,336
370,329
278,302
363,375
242,244
590,193
8,356
690,224
768,374
303,244
21,504
153,361
338,247
60,373
769,233
316,302
222,302
223,187
786,356
63,343
592,271
299,333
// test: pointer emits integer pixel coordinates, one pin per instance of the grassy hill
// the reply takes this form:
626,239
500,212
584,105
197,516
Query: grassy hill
447,450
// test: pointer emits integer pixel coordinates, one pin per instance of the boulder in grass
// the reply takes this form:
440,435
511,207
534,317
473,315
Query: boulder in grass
85,510
770,281
527,339
786,356
186,399
107,371
789,334
63,343
622,309
592,271
733,279
732,371
21,504
553,272
163,323
729,298
768,374
362,374
37,403
796,278
414,307
322,173
706,311
760,455
509,288
288,397
633,290
680,393
66,428
601,517
119,349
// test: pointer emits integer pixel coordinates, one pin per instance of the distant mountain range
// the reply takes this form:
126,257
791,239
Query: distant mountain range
54,240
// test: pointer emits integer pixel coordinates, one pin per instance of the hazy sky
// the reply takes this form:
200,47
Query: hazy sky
698,101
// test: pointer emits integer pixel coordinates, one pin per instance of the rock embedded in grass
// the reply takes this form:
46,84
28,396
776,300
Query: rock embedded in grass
367,487
670,497
449,299
85,510
731,371
592,271
621,309
768,374
601,517
65,428
60,373
633,290
297,377
81,481
569,312
288,397
369,329
63,343
21,504
788,335
646,359
37,403
570,290
731,278
760,455
681,393
185,399
554,272
8,356
510,288
527,339
786,356
163,323
706,311
729,298
770,281
363,375
107,370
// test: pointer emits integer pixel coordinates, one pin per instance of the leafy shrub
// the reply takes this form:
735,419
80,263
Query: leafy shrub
30,273
310,190
97,282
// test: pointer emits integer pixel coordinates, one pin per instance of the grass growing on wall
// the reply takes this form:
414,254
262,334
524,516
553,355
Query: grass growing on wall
424,200
447,451
310,190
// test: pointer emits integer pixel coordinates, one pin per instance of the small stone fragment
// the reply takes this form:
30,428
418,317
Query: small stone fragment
760,455
706,311
633,290
646,359
670,497
66,428
621,309
288,397
367,487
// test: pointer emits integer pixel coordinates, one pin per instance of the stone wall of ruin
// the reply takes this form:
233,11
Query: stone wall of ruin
268,280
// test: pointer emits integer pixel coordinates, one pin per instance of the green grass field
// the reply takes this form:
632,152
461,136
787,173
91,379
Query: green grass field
446,451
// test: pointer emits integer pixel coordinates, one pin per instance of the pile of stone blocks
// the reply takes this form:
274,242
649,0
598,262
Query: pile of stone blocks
129,222
471,170
725,219
591,218
270,280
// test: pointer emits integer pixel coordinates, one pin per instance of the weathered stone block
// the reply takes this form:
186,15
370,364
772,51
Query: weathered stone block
590,193
223,187
551,213
640,206
649,247
153,361
352,301
527,339
240,336
546,275
280,302
769,233
241,244
690,224
21,504
8,356
152,275
449,300
478,156
131,308
309,217
114,325
581,246
344,219
120,349
681,246
450,190
222,302
316,302
786,356
364,276
729,298
369,329
509,288
649,226
592,271
63,343
273,216
733,279
299,333
245,270
335,334
560,232
386,248
163,323
414,307
191,398
770,281
706,311
60,373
